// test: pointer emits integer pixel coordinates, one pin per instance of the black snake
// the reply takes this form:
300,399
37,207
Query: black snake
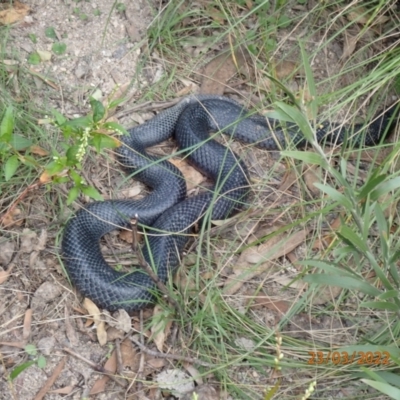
166,210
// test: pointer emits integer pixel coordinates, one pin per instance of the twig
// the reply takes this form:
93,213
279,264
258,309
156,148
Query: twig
49,383
148,106
17,201
154,353
96,367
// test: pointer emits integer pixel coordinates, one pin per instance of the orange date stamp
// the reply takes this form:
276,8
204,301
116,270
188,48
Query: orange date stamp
343,357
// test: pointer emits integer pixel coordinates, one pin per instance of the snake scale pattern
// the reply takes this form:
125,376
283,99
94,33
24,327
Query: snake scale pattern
166,213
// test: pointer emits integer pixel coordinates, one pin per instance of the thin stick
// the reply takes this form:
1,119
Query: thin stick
97,368
170,356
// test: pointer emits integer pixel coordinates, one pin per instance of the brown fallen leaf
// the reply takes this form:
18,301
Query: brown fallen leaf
111,367
325,294
220,69
349,46
27,324
262,256
130,357
63,390
14,13
94,311
291,178
192,177
160,330
12,218
4,275
39,151
261,301
311,176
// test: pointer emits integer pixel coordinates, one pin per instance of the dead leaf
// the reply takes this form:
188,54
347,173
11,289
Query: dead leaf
39,151
192,177
349,46
120,321
311,176
263,254
27,324
4,275
220,69
12,218
160,330
94,311
111,367
325,294
261,301
14,13
130,358
44,55
291,178
70,329
63,390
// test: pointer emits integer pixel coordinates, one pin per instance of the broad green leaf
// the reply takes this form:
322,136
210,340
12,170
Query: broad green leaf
385,187
19,142
72,195
71,154
98,109
31,349
299,118
370,185
59,48
101,141
10,167
350,236
60,119
116,102
380,305
384,388
7,125
328,267
113,126
56,166
41,362
307,156
76,178
335,195
343,282
390,294
92,192
34,58
80,122
21,368
50,33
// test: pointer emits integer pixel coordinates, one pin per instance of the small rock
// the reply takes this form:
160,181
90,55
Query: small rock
7,248
45,293
46,345
176,381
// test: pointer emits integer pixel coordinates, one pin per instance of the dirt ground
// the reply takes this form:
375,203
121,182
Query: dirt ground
102,55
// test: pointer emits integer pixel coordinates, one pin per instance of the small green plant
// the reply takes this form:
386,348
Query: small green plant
90,130
121,7
35,358
11,145
50,33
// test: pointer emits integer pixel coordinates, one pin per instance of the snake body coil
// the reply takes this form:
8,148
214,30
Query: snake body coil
166,210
